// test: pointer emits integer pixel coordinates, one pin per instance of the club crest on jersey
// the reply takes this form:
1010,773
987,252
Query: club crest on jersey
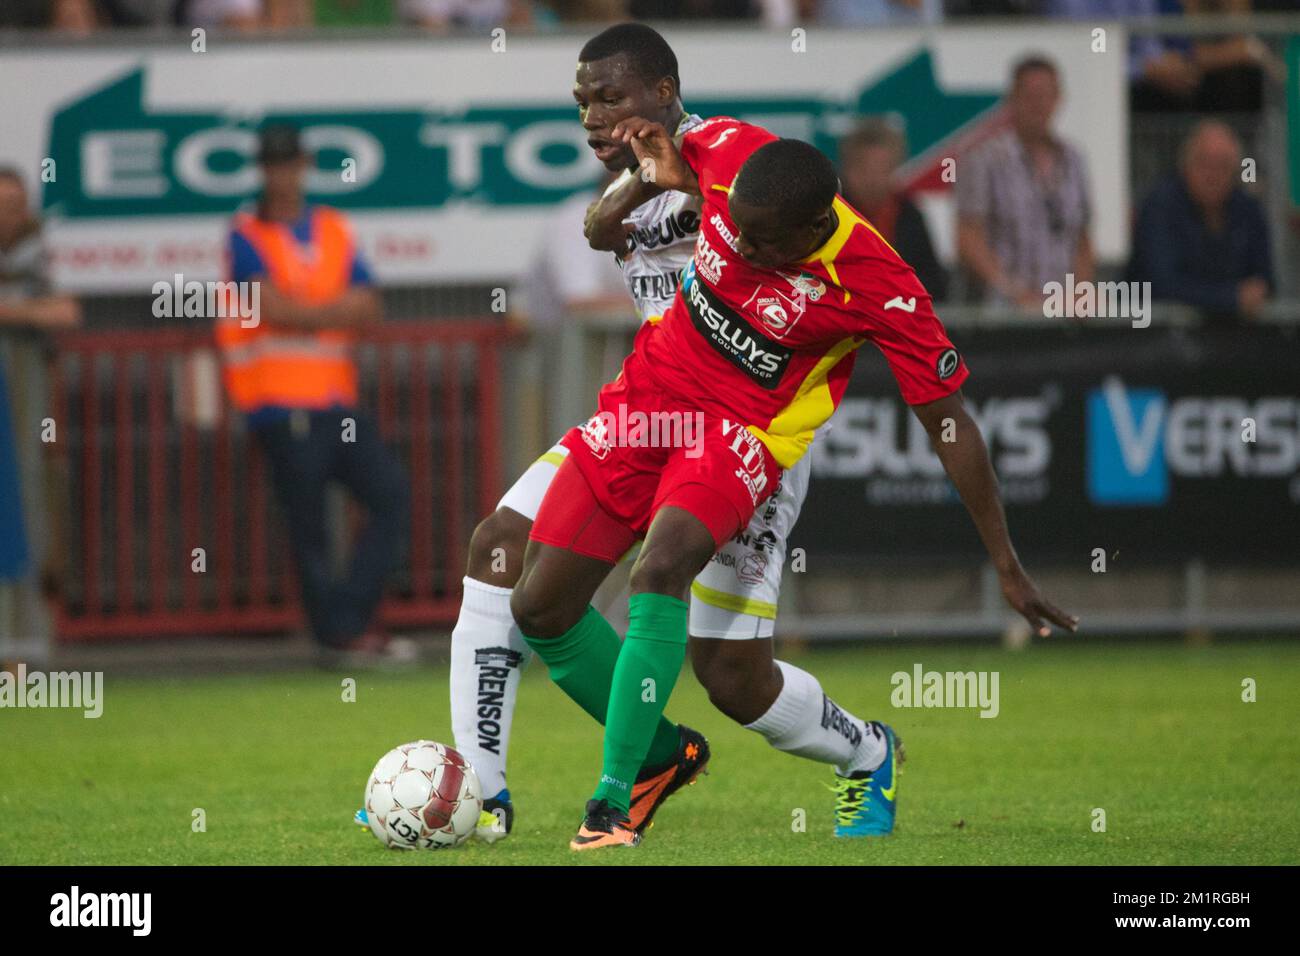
777,312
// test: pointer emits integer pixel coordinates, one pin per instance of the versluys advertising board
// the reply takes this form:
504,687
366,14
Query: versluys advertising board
1156,443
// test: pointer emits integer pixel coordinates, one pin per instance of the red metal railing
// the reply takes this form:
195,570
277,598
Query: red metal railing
152,476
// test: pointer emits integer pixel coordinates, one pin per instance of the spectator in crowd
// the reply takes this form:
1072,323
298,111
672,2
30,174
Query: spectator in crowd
442,15
354,13
1160,70
694,9
1232,67
868,156
29,310
1170,73
291,373
872,13
1200,238
990,8
1023,205
69,16
245,15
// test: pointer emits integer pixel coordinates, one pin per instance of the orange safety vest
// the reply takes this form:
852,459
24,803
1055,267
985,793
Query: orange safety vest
265,366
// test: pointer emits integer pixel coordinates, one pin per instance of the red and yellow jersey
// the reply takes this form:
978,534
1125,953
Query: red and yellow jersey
775,348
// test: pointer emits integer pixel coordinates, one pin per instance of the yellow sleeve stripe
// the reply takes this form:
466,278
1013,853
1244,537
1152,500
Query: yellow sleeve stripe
555,458
733,602
825,256
790,433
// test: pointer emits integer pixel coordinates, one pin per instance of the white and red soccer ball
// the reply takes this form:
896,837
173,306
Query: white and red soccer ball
423,796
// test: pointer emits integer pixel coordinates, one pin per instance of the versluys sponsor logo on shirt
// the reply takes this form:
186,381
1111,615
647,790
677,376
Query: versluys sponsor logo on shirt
744,346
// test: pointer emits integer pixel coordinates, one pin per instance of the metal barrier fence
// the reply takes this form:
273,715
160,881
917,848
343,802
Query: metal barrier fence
157,465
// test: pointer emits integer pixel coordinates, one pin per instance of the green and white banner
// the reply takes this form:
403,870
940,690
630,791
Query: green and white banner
454,152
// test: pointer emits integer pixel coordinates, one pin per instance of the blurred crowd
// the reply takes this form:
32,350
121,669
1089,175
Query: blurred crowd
1200,234
1166,67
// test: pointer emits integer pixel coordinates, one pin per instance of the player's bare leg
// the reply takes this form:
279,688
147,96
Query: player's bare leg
784,704
555,590
496,549
741,676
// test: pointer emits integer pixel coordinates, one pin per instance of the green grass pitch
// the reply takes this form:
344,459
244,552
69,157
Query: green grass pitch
1157,735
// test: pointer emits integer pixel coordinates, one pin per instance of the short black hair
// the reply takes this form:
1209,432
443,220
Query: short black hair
648,52
795,177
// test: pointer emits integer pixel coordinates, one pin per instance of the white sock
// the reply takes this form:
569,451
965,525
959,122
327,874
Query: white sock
805,722
488,655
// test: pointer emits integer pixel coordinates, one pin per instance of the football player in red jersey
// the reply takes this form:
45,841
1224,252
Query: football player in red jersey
786,283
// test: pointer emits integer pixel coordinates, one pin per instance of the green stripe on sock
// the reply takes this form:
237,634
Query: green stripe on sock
647,669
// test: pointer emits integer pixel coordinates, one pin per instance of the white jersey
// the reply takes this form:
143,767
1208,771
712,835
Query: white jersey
662,243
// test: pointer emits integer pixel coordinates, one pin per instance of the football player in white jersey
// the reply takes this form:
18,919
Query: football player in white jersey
630,70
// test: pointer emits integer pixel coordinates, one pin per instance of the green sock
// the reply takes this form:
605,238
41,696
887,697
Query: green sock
648,665
581,662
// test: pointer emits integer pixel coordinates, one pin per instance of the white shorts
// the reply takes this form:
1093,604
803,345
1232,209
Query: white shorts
735,596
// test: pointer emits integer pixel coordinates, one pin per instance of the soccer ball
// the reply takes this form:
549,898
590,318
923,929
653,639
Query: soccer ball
423,795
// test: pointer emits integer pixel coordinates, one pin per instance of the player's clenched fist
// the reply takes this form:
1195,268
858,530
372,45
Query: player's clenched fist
657,155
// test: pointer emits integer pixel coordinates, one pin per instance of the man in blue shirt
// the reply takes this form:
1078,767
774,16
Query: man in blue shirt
1200,238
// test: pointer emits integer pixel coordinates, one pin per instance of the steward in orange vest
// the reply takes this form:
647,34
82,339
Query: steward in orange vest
289,368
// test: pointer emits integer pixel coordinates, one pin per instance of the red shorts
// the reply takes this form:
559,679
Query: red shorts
643,451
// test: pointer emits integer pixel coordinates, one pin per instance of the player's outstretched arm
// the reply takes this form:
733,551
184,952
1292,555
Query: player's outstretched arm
604,226
960,446
661,161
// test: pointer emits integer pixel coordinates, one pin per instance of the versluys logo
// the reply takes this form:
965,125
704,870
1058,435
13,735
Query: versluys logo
762,359
881,442
1126,463
1139,438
